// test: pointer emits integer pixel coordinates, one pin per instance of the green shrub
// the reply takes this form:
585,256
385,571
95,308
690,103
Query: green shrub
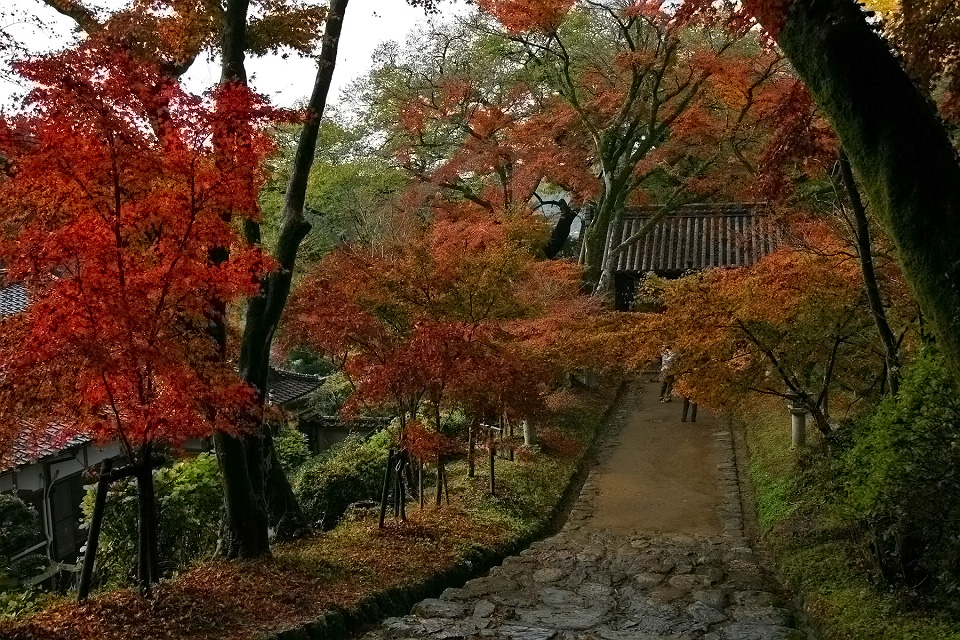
19,523
189,505
331,395
353,471
902,477
292,447
18,602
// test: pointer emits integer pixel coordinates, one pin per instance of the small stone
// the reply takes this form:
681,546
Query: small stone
754,598
647,580
688,582
712,574
483,609
547,574
751,631
595,591
434,608
515,632
773,616
704,613
559,598
712,598
590,555
570,618
480,587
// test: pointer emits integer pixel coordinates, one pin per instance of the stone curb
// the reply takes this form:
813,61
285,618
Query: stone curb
335,624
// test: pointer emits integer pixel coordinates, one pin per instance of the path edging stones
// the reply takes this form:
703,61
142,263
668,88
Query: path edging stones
338,623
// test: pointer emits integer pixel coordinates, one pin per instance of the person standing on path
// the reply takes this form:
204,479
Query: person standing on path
667,374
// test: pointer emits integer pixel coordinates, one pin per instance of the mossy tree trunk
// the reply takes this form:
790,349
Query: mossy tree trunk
896,143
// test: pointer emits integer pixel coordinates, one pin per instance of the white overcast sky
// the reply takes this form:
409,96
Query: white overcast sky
366,25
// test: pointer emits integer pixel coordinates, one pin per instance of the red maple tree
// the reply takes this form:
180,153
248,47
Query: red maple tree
117,186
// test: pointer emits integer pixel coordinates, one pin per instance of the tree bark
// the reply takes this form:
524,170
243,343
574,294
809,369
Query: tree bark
870,284
265,310
93,534
561,231
896,143
244,530
233,44
147,551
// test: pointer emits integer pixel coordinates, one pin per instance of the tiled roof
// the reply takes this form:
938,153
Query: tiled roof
697,237
285,387
314,419
13,299
33,445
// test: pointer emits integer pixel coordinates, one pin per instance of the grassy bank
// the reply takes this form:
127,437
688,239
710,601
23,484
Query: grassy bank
344,570
820,554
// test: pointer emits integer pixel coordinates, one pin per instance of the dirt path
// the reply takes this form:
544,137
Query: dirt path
662,477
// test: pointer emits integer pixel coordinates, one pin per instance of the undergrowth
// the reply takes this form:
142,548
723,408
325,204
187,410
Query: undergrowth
820,549
338,568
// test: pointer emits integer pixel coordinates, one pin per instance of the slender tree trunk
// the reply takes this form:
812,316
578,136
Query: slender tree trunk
870,284
471,449
896,142
385,493
440,479
147,551
93,534
254,456
561,231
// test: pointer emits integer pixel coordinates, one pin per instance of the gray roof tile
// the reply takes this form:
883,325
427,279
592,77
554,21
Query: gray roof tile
695,237
13,299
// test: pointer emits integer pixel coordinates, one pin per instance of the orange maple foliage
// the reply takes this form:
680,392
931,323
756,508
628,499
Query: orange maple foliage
792,325
455,315
528,15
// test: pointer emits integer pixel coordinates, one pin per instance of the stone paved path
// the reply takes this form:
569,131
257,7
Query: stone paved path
618,570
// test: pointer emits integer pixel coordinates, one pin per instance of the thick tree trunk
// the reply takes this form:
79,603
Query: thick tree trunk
897,145
529,434
561,231
870,284
244,530
233,44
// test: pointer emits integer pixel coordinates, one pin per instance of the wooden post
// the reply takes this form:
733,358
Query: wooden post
471,449
420,482
493,456
93,535
386,488
446,487
439,479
